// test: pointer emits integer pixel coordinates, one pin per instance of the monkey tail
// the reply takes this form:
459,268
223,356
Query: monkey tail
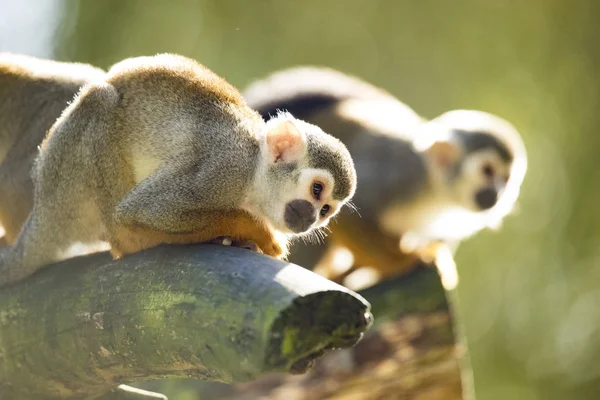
302,90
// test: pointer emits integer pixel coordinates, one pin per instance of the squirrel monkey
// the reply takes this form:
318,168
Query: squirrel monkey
162,150
420,183
33,93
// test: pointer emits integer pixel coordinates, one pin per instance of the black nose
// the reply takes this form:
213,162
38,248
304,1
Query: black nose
299,215
486,198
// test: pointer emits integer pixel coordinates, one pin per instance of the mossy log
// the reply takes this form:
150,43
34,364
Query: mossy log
79,328
418,291
410,353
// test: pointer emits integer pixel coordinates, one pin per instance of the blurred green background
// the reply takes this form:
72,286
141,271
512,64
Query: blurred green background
530,293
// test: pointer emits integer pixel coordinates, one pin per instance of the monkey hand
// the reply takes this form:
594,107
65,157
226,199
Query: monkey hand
244,244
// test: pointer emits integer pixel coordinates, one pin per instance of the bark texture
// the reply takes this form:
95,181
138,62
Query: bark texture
412,352
80,328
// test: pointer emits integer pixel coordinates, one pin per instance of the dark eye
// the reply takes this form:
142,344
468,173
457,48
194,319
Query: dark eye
325,210
317,189
488,171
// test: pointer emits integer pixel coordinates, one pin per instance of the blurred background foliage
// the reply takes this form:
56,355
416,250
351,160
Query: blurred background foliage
530,293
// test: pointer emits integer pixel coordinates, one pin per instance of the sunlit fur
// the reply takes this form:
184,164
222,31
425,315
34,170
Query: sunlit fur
453,215
480,121
403,194
448,212
278,183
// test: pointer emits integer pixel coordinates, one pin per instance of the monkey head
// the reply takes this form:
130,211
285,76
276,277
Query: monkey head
479,161
306,177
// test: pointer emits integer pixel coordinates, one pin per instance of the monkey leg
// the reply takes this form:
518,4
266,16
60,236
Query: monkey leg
372,248
14,265
43,241
53,231
238,225
384,266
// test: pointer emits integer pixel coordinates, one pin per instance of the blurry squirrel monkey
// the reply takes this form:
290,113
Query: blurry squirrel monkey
420,182
162,150
33,93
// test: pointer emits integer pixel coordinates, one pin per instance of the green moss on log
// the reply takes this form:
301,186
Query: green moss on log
206,312
419,291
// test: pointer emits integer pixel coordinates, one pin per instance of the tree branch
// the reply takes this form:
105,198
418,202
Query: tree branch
418,291
411,352
79,328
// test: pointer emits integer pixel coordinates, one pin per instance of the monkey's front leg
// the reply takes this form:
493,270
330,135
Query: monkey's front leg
209,226
370,247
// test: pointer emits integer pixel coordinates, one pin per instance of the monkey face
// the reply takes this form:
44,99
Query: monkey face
481,180
478,163
310,175
494,162
311,204
300,199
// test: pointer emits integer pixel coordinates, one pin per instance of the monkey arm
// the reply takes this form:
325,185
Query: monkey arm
191,206
167,199
204,226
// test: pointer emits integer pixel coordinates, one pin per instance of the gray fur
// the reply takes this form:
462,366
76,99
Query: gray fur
392,175
476,141
84,160
326,152
307,89
196,131
281,171
302,91
32,98
33,93
62,213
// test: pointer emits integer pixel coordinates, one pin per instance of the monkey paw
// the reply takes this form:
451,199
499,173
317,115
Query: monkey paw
244,244
247,244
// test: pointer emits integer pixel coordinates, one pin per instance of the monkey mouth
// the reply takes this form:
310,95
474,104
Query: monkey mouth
299,215
486,198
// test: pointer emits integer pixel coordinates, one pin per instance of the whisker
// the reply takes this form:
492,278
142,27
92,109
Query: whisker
317,236
309,238
323,233
353,208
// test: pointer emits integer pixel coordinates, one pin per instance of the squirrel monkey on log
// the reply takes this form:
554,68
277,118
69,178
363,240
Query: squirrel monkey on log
420,183
162,150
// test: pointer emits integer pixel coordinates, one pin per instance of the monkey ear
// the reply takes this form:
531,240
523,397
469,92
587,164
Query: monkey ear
444,154
286,142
